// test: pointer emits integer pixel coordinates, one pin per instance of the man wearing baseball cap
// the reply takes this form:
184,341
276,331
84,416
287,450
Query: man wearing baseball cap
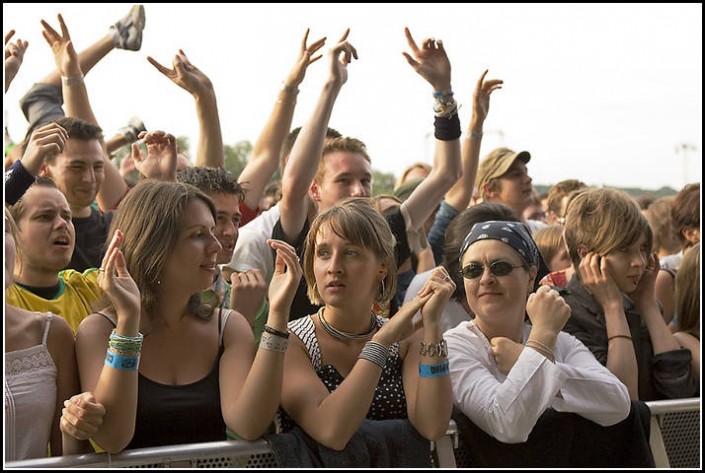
502,177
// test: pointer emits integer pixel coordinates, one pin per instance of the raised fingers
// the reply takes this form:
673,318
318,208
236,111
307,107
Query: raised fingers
410,41
9,36
164,70
64,30
286,255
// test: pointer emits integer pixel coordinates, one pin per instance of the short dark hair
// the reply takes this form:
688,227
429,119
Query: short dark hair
77,129
211,180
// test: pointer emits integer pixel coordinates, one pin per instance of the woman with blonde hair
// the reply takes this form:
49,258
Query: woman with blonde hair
346,364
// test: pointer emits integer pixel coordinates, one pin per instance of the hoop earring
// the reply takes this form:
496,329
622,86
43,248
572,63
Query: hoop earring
381,294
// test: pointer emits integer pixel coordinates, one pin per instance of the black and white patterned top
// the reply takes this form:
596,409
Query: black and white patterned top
389,401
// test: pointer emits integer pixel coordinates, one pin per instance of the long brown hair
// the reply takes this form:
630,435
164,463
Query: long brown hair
151,217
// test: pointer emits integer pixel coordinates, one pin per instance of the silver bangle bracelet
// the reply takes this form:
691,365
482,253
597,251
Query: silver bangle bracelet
374,352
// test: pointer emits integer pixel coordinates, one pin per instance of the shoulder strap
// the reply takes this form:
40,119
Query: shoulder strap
112,322
222,322
305,329
46,328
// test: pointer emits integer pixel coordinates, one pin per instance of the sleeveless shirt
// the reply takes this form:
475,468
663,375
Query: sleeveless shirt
30,399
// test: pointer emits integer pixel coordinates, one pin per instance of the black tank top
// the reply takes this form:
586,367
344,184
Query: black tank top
187,413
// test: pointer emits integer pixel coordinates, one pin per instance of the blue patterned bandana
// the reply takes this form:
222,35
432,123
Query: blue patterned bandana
513,234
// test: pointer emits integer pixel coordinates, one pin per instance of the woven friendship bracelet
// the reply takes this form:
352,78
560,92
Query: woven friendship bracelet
125,344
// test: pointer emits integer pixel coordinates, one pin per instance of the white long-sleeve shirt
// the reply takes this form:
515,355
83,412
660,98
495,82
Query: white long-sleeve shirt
508,406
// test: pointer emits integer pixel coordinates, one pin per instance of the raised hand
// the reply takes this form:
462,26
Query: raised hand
402,324
595,276
506,353
247,293
430,61
184,74
439,287
287,274
118,285
645,291
340,56
14,55
162,158
81,416
65,55
481,96
548,312
305,59
47,140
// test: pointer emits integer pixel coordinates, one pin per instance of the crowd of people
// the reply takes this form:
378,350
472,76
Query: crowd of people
171,308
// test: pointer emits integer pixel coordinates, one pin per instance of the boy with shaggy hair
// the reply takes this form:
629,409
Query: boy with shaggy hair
614,310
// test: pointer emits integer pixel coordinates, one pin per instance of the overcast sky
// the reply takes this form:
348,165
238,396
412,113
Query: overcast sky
610,94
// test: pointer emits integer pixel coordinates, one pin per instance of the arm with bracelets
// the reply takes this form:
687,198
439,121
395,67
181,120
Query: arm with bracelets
108,361
250,393
431,62
427,384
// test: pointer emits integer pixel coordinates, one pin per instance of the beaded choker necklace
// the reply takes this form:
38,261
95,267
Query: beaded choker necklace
334,332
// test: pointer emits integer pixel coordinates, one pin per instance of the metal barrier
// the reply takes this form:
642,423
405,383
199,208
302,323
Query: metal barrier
675,433
675,442
224,454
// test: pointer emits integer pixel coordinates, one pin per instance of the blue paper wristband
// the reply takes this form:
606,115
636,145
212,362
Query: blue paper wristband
120,362
431,371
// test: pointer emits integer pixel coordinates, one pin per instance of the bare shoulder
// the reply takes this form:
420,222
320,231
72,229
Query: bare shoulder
60,331
236,328
60,341
95,324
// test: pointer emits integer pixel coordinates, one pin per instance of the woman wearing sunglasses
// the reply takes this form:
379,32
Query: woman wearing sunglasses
505,373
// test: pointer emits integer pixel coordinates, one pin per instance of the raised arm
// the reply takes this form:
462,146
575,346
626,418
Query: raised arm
332,418
306,154
251,389
621,357
460,194
161,160
45,141
431,62
14,54
73,88
267,150
113,384
429,399
78,105
210,152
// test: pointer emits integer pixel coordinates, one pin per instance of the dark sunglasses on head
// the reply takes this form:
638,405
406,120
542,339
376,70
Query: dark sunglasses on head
497,268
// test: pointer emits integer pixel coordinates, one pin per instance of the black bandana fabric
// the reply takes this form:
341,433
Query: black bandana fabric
513,234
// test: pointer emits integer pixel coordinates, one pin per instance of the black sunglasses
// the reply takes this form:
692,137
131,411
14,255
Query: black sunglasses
497,268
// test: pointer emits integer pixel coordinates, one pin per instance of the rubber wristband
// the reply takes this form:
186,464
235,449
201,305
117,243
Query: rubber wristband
119,362
432,371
